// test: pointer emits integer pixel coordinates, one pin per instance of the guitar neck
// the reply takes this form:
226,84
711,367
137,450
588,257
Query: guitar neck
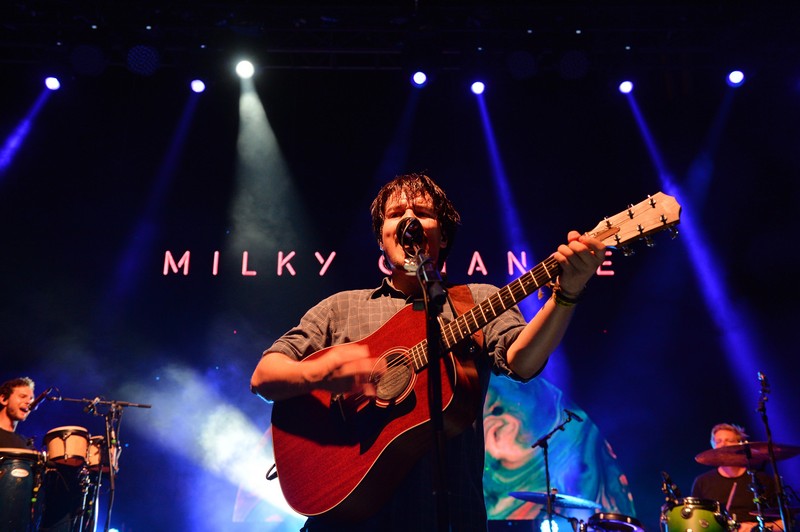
502,300
485,312
656,213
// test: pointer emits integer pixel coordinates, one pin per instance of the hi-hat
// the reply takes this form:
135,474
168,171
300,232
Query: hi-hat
559,500
737,455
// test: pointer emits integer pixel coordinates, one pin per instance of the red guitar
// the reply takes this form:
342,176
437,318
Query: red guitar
343,455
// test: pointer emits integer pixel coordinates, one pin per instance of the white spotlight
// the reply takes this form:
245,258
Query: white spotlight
626,87
478,87
245,69
548,526
198,86
735,78
52,83
419,79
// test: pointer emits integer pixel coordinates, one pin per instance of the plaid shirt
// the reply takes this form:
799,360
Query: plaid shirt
352,315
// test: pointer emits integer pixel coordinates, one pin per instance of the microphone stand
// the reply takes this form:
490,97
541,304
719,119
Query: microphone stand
786,516
113,418
434,297
543,442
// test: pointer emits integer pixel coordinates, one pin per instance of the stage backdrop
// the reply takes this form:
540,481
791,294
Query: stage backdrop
156,241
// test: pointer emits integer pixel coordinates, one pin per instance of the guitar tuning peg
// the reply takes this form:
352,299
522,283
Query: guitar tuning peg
673,232
648,241
627,252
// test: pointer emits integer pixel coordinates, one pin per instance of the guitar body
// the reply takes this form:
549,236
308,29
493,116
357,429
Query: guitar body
344,456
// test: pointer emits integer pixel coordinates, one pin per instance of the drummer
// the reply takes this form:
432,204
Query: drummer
730,484
16,396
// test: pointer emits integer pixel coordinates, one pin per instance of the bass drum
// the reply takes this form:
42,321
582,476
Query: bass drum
605,521
691,513
20,479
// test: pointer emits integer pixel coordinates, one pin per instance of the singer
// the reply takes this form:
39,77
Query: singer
333,350
16,397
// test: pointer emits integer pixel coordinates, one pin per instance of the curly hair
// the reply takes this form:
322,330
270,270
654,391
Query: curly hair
7,388
416,185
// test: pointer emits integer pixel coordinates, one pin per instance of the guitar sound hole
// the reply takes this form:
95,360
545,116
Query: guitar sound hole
395,379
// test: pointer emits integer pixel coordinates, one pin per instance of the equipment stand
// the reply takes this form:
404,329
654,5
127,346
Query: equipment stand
786,516
543,442
434,297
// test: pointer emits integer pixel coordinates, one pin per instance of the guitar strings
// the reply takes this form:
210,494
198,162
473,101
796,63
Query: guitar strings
518,290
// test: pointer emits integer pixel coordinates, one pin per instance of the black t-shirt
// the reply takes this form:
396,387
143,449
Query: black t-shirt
12,440
711,485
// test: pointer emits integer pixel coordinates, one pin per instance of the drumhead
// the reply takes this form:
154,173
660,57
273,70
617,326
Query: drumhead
13,452
613,522
60,432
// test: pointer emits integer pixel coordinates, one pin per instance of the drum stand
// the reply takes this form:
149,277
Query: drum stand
90,492
786,516
112,419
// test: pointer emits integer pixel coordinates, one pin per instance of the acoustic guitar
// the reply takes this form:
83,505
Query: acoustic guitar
343,454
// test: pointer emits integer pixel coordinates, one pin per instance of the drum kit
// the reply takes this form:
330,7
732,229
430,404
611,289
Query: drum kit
567,506
681,514
58,488
678,514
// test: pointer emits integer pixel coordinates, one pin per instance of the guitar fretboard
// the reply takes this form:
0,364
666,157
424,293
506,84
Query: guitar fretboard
656,213
485,312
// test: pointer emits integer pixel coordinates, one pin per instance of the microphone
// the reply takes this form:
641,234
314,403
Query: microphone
573,415
39,398
92,406
410,235
669,487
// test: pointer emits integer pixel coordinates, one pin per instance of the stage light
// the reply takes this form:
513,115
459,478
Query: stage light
735,78
143,59
548,526
626,87
245,69
52,83
419,79
574,64
478,87
88,60
198,86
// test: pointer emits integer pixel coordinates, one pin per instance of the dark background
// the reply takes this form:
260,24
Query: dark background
90,201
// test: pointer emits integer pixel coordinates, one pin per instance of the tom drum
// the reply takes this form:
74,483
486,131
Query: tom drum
691,513
67,445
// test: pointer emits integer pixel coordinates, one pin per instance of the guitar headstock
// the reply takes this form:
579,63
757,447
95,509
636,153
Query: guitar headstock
657,213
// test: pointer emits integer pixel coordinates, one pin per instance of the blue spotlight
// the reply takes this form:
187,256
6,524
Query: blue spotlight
52,83
735,78
478,87
198,86
419,79
626,87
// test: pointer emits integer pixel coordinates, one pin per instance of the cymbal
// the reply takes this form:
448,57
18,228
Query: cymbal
775,513
559,500
736,455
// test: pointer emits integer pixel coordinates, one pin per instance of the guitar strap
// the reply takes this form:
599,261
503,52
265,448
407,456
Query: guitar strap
461,301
